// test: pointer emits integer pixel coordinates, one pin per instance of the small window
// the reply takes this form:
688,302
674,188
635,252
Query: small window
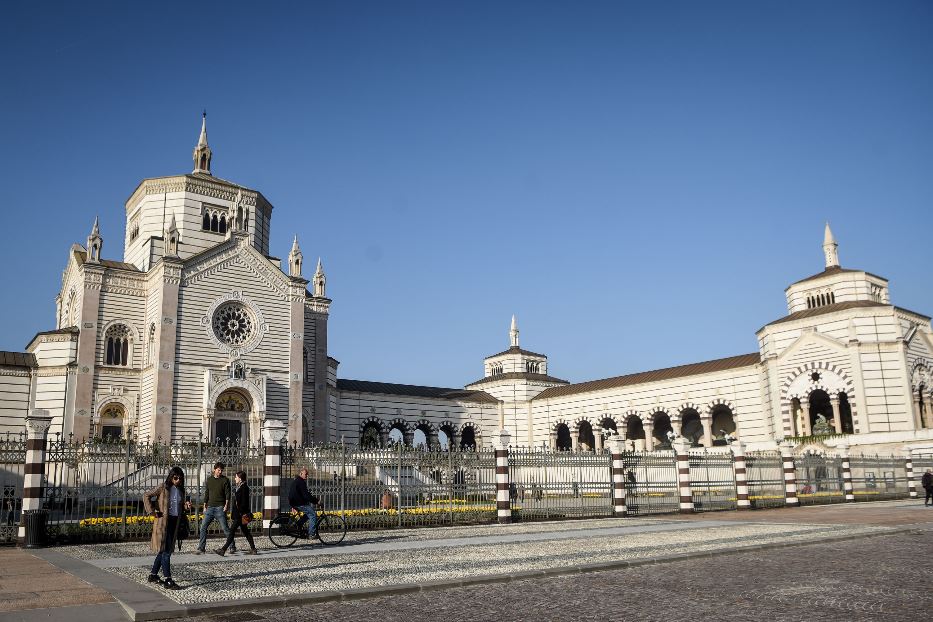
117,345
206,223
223,224
215,225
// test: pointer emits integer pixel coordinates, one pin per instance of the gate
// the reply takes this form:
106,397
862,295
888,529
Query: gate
879,477
12,461
765,473
651,485
819,479
547,484
712,480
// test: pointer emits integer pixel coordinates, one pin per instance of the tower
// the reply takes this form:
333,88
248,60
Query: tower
320,281
830,248
295,260
202,152
94,244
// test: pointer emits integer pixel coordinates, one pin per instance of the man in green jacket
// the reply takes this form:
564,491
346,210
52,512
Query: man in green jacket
216,504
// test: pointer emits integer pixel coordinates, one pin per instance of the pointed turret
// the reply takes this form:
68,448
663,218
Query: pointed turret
513,333
320,281
295,259
830,248
170,239
202,152
94,243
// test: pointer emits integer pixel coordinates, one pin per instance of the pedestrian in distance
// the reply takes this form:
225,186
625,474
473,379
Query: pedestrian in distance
216,504
300,499
168,504
240,514
927,482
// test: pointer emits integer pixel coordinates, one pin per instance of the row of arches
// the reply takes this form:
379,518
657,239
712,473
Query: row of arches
649,432
820,412
375,434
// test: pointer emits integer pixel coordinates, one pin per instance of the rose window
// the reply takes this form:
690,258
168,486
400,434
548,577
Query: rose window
233,324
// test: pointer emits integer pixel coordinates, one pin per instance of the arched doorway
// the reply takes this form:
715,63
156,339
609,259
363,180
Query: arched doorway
563,441
609,424
586,440
723,423
370,438
446,436
112,421
396,436
821,413
468,437
662,428
634,431
419,439
691,428
231,411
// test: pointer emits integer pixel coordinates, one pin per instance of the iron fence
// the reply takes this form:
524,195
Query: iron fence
879,477
651,485
712,478
765,474
819,479
12,467
547,484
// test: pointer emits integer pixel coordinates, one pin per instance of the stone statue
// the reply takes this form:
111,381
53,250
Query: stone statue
821,426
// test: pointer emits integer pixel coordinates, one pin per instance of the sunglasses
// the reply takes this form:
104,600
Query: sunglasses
176,477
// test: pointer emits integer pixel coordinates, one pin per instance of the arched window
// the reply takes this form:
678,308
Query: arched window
206,223
150,343
214,223
223,224
111,421
246,220
117,345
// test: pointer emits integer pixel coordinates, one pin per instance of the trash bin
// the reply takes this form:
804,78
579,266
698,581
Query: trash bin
35,521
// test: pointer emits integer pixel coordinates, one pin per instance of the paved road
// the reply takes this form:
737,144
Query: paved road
882,578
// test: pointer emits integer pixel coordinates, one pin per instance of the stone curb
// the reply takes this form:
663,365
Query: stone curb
268,602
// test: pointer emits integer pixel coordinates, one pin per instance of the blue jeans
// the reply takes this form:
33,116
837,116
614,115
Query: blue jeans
211,514
310,511
164,558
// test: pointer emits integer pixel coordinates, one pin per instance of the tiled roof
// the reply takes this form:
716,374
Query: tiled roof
386,388
516,350
17,359
839,306
830,272
693,369
517,375
108,263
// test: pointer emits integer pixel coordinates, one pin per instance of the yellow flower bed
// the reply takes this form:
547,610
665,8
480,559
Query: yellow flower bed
142,519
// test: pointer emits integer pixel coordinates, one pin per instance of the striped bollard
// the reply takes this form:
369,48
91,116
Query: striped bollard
847,489
37,428
682,452
273,434
616,447
503,501
909,467
790,474
741,476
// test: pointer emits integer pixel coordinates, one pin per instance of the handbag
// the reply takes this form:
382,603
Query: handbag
246,519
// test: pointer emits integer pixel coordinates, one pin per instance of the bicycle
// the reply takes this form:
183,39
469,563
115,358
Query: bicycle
288,527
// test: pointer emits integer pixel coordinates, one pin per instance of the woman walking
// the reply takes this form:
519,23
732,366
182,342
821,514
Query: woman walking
238,512
167,503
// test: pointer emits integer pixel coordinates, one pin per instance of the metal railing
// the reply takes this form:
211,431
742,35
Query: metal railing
819,479
549,484
712,477
765,473
879,477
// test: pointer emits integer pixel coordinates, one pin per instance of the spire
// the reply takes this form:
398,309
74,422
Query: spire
202,152
513,332
320,281
94,243
170,240
830,248
294,259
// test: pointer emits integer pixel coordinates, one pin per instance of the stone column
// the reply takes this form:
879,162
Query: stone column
806,428
574,439
166,336
408,437
790,474
37,428
598,438
909,467
843,449
837,417
273,434
296,360
741,478
682,452
649,435
707,423
503,501
616,447
79,421
918,415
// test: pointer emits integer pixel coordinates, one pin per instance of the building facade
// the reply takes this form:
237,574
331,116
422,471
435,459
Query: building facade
199,330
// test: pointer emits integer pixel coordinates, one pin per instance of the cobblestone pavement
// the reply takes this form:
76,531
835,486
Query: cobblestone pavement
880,578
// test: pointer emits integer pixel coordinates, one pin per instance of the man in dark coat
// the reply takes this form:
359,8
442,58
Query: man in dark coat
927,482
300,499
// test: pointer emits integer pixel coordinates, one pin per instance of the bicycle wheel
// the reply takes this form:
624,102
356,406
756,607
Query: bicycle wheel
331,528
281,533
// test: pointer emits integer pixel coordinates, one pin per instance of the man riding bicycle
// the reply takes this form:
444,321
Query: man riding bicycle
300,499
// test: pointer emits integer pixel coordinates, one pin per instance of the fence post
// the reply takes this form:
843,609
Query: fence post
848,490
126,484
909,467
503,499
616,447
682,452
273,433
790,474
37,428
741,476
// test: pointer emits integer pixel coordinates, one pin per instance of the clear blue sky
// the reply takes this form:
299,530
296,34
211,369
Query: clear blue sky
637,181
